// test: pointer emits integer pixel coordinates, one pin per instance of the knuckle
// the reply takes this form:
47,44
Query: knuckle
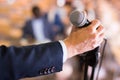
90,30
94,36
93,44
96,21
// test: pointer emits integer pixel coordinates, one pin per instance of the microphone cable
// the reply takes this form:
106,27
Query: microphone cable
102,56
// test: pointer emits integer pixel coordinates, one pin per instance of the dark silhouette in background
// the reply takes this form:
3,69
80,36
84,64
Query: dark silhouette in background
39,25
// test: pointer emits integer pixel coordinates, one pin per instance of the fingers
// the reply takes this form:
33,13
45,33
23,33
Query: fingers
94,25
101,38
100,33
98,40
100,30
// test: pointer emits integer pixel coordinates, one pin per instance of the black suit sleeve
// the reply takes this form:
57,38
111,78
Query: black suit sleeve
30,61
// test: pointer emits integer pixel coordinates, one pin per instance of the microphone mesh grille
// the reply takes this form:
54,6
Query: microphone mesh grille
78,18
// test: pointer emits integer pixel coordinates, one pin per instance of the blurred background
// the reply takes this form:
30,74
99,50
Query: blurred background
27,22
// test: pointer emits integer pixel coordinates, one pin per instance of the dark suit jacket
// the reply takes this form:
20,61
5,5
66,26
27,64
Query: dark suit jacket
47,28
30,61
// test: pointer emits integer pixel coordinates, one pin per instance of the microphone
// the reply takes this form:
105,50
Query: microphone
79,19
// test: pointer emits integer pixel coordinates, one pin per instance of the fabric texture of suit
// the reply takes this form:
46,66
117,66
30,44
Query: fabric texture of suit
30,61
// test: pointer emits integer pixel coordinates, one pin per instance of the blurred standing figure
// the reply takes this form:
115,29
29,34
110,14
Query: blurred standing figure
38,27
55,15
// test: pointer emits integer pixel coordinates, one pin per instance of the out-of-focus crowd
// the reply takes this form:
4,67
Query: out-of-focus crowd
26,22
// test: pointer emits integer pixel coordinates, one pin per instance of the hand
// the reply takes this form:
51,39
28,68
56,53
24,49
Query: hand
84,39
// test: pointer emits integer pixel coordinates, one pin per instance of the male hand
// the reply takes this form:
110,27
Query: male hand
84,39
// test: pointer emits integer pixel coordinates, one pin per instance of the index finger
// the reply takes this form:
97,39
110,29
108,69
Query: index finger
95,24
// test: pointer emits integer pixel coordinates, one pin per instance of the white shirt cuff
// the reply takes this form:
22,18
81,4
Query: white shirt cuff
64,50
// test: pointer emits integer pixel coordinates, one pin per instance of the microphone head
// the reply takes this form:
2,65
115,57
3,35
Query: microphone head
78,18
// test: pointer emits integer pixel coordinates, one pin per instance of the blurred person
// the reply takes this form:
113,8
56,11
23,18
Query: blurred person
43,59
68,7
58,16
54,17
38,27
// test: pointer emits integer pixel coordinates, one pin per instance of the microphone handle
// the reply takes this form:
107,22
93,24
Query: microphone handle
91,57
86,24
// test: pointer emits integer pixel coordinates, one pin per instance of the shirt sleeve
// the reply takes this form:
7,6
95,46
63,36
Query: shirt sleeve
64,50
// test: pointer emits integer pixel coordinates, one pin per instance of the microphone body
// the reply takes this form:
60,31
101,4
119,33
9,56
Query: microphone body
79,19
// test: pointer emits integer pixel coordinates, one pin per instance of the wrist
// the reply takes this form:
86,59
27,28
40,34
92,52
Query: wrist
65,53
70,48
